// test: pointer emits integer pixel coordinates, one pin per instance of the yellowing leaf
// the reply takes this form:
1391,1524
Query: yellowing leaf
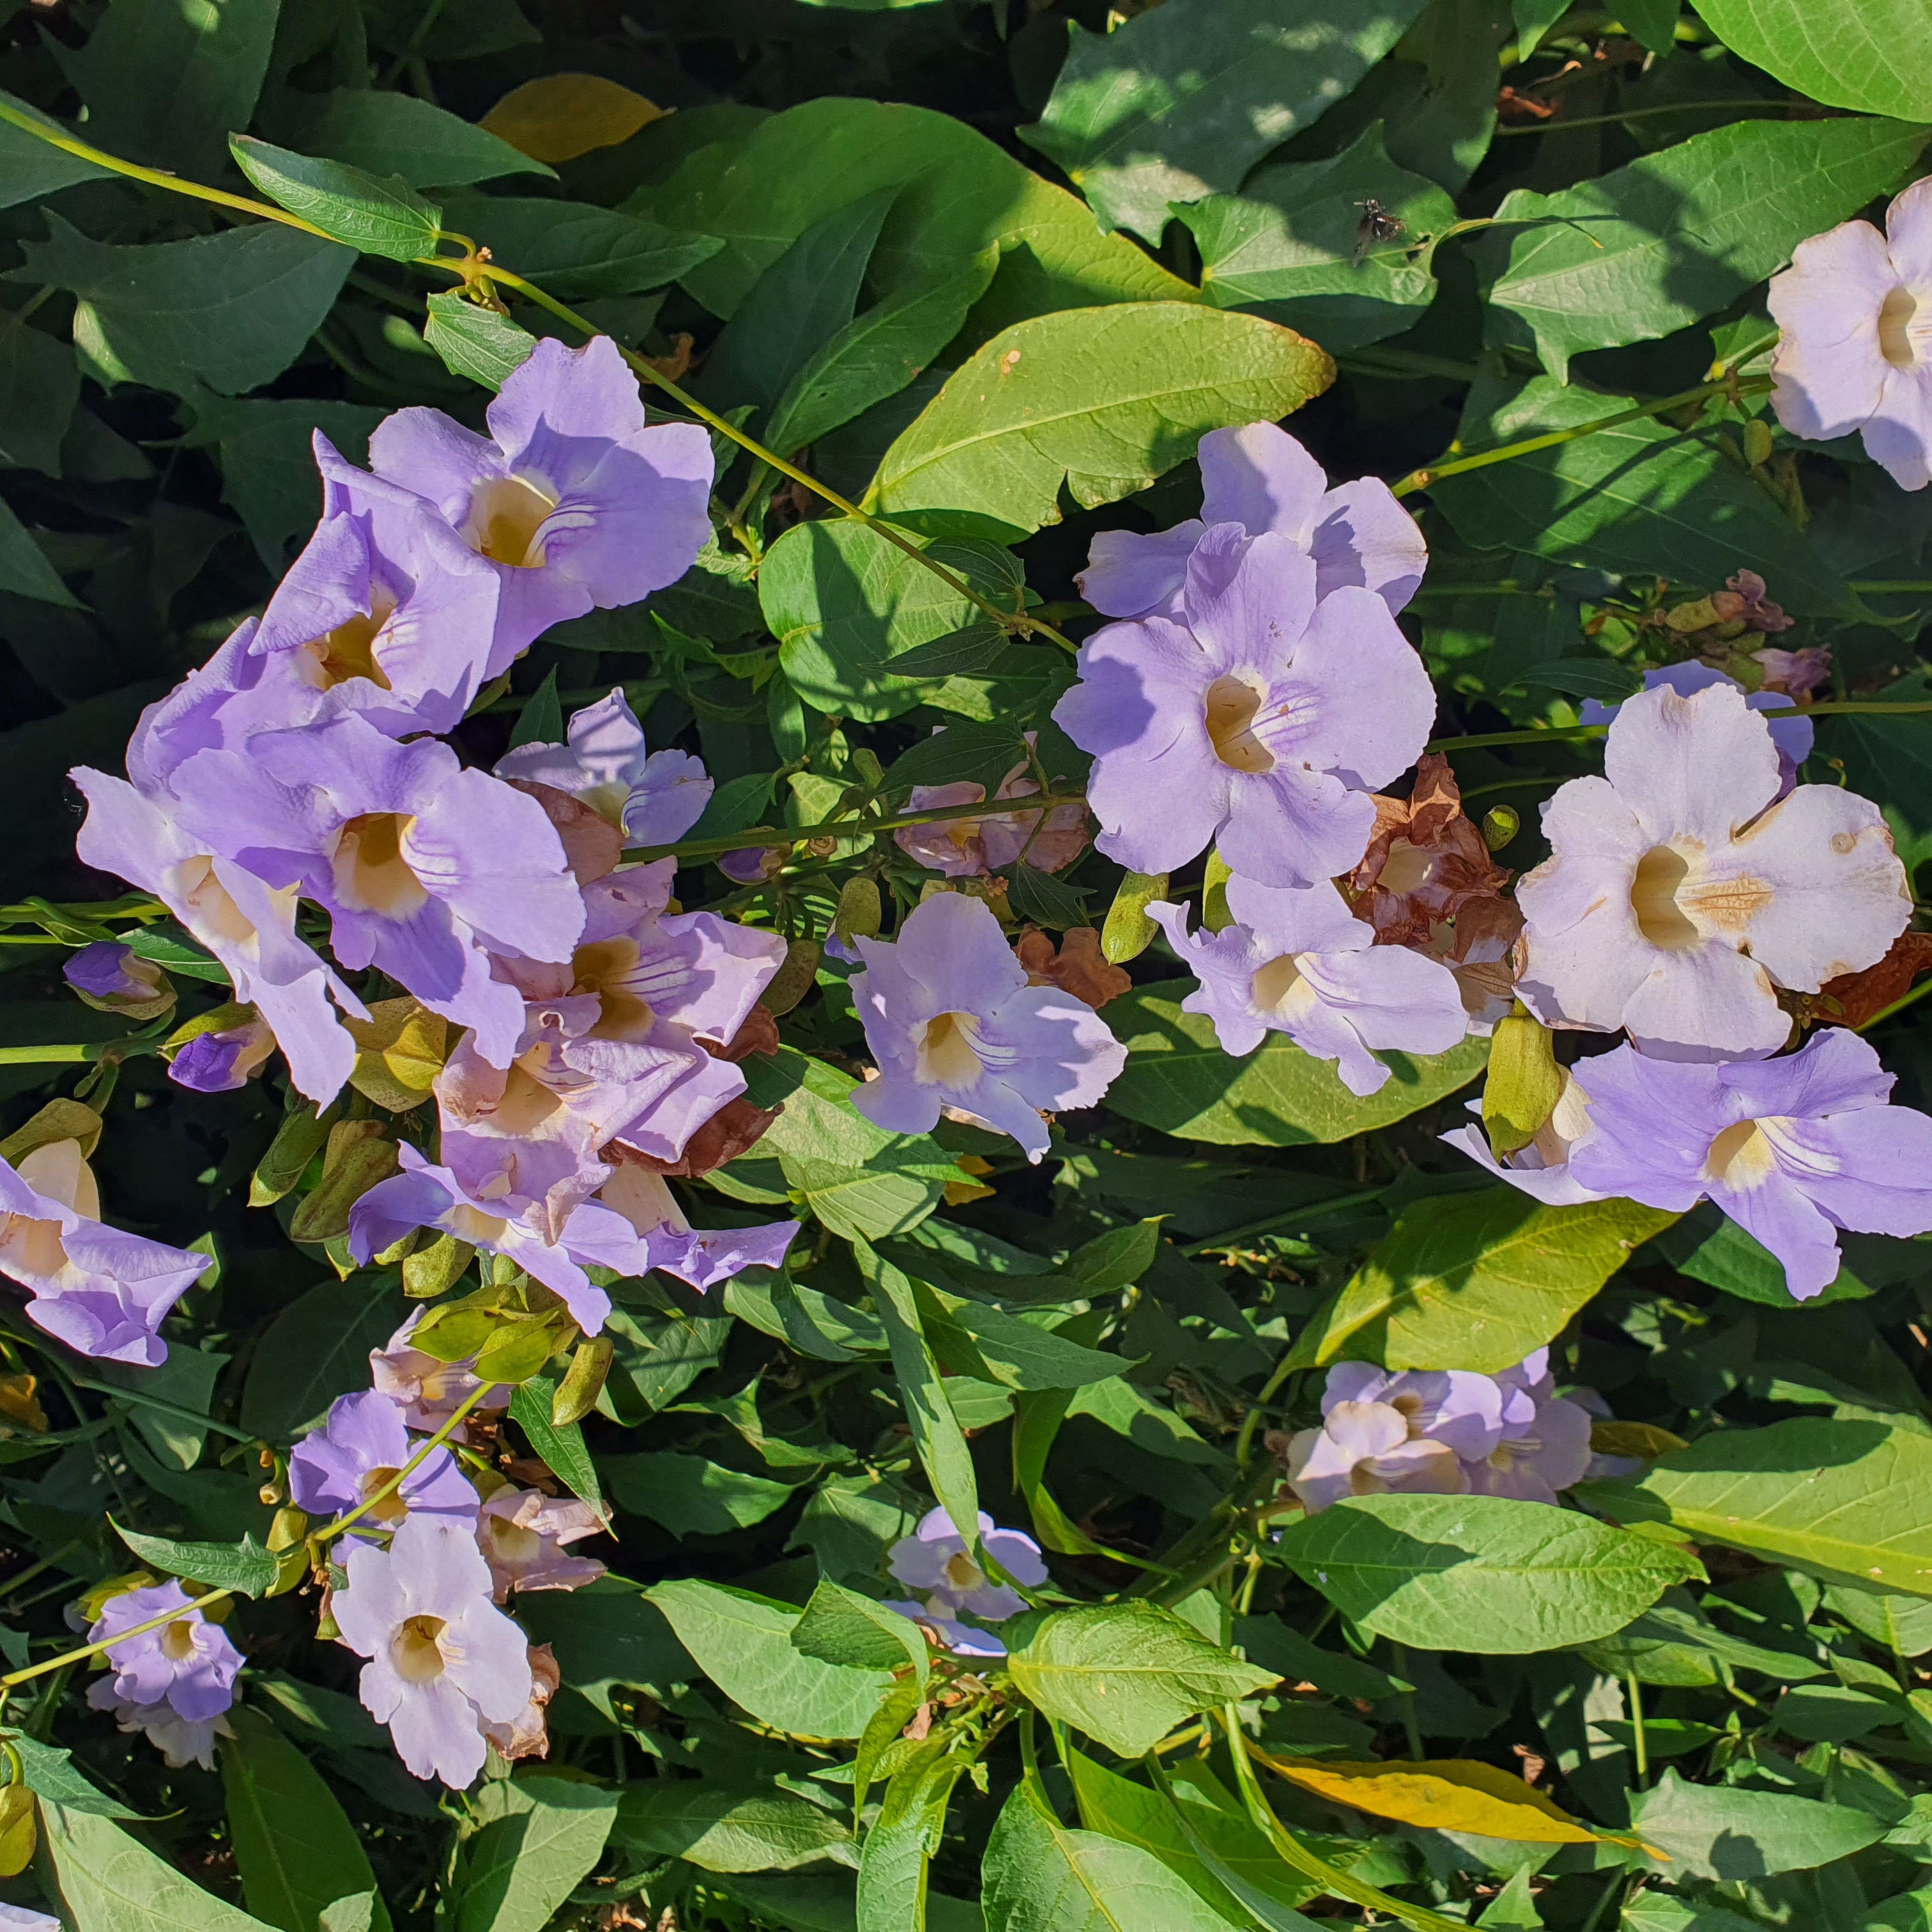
1633,1438
400,1049
562,115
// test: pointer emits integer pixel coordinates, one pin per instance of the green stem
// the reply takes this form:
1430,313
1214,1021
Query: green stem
174,1409
46,1056
1292,1217
80,1656
1634,1691
334,1529
1411,1727
1551,126
1917,993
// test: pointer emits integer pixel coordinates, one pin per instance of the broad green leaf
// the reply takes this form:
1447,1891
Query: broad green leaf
690,1496
1182,99
522,1866
1481,1573
1889,759
1726,1257
247,1569
390,133
891,1894
1178,1079
843,603
1864,57
1901,1624
743,1643
294,1846
1720,1831
318,1348
476,341
1643,496
1476,1281
1102,400
1116,1259
39,387
111,1882
562,1448
30,167
230,311
25,570
839,1626
575,252
720,1830
385,217
1843,1500
1023,1355
808,1322
1286,246
605,1635
1042,1876
1126,1673
1647,249
1442,1795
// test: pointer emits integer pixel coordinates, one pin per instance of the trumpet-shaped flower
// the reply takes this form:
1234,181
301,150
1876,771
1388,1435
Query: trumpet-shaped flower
951,1022
1298,962
360,1447
23,1918
935,1558
522,1533
101,1292
1681,893
942,1625
698,1257
1454,1406
188,1663
1259,477
444,1662
1544,1444
573,501
967,847
1367,1449
1792,732
1793,1150
1855,352
1258,719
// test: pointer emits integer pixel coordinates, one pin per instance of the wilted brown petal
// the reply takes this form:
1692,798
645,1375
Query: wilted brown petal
1079,968
1426,863
1860,996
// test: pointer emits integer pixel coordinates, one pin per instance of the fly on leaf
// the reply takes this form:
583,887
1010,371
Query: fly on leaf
1377,224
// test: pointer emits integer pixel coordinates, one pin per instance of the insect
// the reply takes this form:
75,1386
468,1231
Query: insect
1377,225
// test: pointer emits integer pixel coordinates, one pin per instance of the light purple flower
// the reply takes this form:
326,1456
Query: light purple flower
1366,1449
573,501
1545,1442
424,1196
443,1660
427,1391
935,1558
1792,1149
1259,477
1298,962
698,1257
248,924
115,979
753,865
967,847
1855,309
951,1022
1792,733
1258,720
1541,1168
653,799
187,1664
181,1740
359,1447
1454,1406
103,1292
1679,897
522,1533
23,1918
941,1623
219,1061
426,869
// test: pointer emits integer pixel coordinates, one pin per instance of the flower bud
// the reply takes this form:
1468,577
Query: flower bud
1757,441
576,1394
427,1272
217,1052
114,978
1128,931
794,979
1500,823
1525,1082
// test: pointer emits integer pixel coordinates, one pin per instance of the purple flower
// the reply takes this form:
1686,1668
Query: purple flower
1545,1442
1260,477
1454,1406
187,1664
427,1391
753,865
573,501
698,1257
935,1558
181,1740
116,979
653,800
1792,733
1855,309
1366,1449
1792,1149
22,1918
951,1022
966,848
443,1660
1542,1167
423,1196
1298,962
425,869
359,1447
941,1624
522,1533
1681,893
246,924
1259,719
102,1292
221,1060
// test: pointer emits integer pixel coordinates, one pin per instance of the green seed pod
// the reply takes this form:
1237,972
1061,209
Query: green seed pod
858,910
576,1394
794,979
1525,1082
1129,932
428,1271
1500,823
865,762
1757,441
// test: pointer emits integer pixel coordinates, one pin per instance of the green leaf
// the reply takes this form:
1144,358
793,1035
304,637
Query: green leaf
1042,1876
720,1830
1103,401
379,217
843,603
50,1775
318,1348
1864,57
25,570
476,341
111,1882
1709,1246
839,1626
1725,1832
388,132
576,252
541,720
1475,1281
1643,496
982,752
690,1496
30,167
1126,1673
1178,1079
742,1642
1286,246
296,1850
605,1636
1481,1573
1639,252
39,387
1184,98
1023,1355
1889,759
521,1868
562,1449
1843,1500
230,311
897,1857
247,1569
